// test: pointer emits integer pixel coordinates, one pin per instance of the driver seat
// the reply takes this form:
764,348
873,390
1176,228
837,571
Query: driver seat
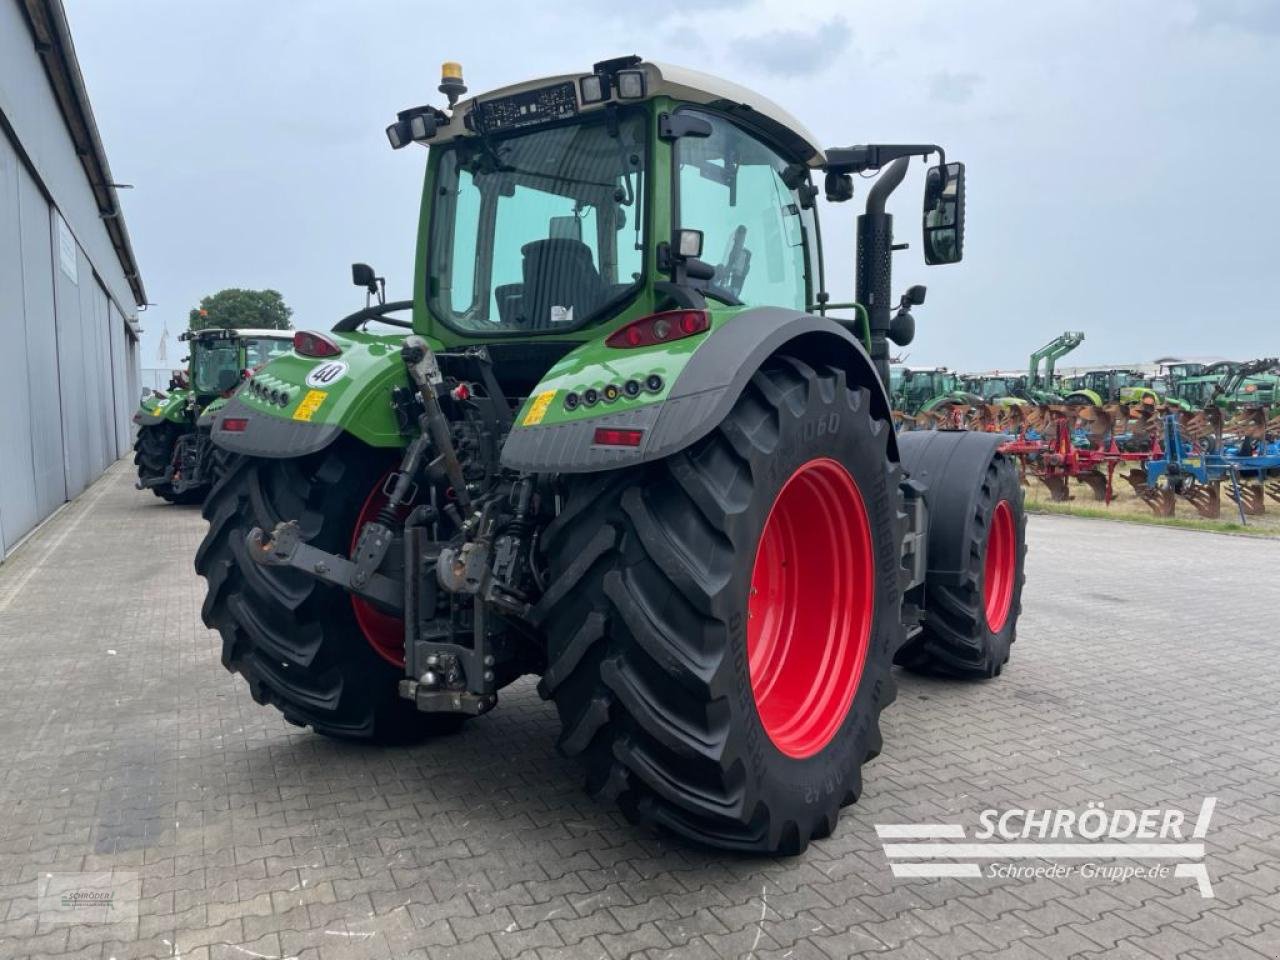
558,272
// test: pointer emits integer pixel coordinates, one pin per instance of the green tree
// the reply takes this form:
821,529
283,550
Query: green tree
233,307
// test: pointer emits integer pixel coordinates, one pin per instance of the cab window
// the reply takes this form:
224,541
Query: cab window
755,233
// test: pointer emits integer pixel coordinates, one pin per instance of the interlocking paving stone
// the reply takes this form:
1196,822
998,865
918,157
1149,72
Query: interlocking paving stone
1144,676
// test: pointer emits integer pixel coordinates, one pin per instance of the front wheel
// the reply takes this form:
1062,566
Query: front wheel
722,623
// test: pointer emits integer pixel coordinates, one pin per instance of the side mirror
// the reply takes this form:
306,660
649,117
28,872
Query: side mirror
362,275
914,295
944,214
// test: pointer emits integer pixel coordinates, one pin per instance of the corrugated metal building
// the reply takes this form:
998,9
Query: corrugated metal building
69,285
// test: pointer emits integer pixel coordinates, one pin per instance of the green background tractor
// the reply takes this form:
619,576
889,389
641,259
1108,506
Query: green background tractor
1044,387
621,448
924,390
174,457
1101,387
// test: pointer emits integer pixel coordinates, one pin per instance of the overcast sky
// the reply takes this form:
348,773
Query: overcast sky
1121,154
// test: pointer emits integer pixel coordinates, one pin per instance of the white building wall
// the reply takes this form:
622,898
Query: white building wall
69,377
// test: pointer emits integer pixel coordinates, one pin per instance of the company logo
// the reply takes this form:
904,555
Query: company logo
1094,844
79,898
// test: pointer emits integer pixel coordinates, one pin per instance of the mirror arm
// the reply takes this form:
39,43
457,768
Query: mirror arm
863,158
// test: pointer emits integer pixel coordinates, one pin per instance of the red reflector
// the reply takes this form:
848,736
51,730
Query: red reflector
235,424
308,343
660,328
613,437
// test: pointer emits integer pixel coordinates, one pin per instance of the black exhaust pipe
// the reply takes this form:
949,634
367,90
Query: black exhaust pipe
874,267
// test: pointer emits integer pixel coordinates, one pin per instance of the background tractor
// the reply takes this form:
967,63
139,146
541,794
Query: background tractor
1101,387
929,395
173,453
1044,387
624,448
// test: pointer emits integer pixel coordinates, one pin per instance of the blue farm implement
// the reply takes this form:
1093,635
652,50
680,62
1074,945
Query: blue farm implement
1196,468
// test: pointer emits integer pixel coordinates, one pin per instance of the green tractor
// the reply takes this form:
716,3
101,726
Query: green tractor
1044,387
668,486
1228,384
172,451
1101,387
995,388
928,389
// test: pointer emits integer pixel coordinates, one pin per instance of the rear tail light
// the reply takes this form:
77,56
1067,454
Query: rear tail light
308,343
615,437
660,328
235,424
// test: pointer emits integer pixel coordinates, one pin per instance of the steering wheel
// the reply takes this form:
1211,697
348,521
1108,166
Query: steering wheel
732,272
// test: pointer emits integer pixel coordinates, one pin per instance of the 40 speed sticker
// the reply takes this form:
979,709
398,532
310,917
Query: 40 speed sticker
327,374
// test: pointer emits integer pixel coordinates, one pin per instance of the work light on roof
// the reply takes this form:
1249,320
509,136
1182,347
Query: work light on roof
415,125
630,84
594,88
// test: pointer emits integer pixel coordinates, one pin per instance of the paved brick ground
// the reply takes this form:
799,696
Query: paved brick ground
1145,675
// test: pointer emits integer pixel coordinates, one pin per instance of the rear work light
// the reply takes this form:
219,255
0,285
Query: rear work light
235,424
617,437
660,328
308,343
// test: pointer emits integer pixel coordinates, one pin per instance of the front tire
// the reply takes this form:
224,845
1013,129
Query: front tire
696,705
294,639
971,618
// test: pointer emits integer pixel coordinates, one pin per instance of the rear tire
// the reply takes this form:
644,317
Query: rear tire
153,454
659,676
970,625
293,638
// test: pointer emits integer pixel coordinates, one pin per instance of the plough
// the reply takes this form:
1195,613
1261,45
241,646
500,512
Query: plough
1062,457
1164,452
1196,467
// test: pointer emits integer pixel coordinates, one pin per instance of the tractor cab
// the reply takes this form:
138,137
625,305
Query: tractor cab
572,201
565,204
221,358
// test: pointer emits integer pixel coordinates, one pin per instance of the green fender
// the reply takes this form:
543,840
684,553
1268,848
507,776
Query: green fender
1138,395
702,377
1089,396
297,405
172,409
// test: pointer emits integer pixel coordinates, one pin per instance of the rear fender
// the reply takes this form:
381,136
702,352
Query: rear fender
172,409
702,383
951,466
298,405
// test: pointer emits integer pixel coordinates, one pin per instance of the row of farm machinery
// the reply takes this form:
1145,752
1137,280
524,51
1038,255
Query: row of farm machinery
1203,434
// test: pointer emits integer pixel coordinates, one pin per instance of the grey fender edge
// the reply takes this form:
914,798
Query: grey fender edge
701,395
270,436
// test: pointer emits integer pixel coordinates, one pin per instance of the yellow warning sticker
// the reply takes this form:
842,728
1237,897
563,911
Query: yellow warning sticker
538,409
309,405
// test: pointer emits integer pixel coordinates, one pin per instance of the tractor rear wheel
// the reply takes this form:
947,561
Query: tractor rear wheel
971,615
303,645
153,454
722,623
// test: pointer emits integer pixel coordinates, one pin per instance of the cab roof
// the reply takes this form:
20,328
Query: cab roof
679,83
230,333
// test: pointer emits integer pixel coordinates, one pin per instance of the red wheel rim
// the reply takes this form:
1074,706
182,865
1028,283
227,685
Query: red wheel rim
811,607
999,568
384,632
